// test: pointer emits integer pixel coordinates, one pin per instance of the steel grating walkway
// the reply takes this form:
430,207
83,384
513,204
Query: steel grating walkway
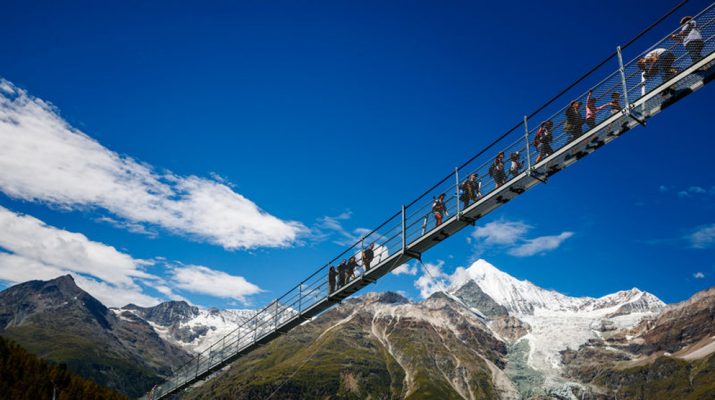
412,231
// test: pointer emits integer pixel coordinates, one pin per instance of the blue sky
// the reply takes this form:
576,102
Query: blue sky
287,126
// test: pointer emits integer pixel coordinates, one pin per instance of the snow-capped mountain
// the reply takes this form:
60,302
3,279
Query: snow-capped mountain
189,327
556,322
521,297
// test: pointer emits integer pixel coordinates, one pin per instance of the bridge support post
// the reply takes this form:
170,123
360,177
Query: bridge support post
456,192
404,233
624,84
300,298
528,150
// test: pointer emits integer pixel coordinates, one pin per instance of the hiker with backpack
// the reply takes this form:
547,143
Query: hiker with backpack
574,120
496,170
543,139
691,38
439,210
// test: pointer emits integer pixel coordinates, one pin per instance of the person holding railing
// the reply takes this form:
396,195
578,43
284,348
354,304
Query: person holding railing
543,139
691,38
574,120
439,210
496,170
367,256
331,279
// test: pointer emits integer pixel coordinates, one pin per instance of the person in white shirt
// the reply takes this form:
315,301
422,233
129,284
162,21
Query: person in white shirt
657,62
691,38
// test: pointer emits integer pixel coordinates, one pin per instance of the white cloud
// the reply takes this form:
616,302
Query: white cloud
501,232
433,279
698,275
405,269
44,159
203,280
702,237
31,249
539,245
30,238
512,236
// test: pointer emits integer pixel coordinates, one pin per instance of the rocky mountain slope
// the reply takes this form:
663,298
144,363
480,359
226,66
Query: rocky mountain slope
58,321
378,346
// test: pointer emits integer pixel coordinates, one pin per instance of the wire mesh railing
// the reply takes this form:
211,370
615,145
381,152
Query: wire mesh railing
521,150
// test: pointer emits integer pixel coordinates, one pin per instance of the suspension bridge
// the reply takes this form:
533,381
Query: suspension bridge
413,230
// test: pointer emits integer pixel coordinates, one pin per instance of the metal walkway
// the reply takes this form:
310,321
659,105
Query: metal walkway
412,231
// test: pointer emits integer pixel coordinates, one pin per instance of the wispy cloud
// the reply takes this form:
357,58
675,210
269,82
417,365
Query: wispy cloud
699,275
512,236
31,249
702,237
690,192
501,232
44,159
540,245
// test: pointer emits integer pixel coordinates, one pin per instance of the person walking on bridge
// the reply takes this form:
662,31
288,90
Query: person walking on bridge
592,110
471,190
331,279
342,272
367,256
439,210
496,170
352,264
543,140
691,38
516,164
574,121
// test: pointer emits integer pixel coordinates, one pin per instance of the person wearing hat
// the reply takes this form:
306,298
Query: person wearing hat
691,38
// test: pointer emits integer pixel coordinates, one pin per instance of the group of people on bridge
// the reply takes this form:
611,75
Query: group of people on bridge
345,271
657,62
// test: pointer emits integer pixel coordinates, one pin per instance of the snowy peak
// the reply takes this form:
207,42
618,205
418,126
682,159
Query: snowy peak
521,297
187,326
